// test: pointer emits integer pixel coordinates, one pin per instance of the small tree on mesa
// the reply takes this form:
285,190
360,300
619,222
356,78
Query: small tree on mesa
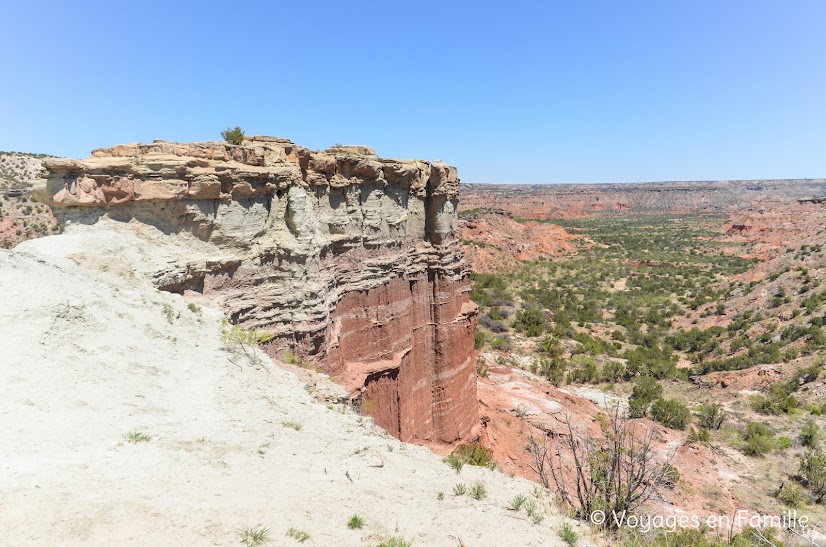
233,135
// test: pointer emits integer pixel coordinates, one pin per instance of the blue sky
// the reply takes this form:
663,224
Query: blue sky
510,92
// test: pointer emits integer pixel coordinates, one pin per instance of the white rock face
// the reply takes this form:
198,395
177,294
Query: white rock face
344,258
86,358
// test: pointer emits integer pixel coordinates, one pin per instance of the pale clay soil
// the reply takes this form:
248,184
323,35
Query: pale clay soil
86,358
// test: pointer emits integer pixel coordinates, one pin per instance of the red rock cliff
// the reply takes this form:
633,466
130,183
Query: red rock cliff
344,257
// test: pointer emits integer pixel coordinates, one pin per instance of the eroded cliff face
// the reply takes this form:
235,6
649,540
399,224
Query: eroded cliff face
346,258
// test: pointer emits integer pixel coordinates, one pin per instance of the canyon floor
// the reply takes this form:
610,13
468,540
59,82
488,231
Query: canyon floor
721,307
94,361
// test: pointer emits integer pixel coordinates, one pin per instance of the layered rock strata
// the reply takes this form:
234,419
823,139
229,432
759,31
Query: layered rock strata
345,258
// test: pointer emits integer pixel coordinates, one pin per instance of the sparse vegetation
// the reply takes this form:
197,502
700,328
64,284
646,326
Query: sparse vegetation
241,343
791,495
355,523
758,439
475,454
455,462
292,424
395,541
517,502
711,416
459,489
671,413
254,536
137,437
580,461
299,535
811,434
478,491
568,534
813,472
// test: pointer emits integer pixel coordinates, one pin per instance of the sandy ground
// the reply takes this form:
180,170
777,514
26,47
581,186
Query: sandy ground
86,359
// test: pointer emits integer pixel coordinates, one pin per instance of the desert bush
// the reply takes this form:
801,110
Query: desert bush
568,534
492,325
530,321
711,416
813,472
459,489
241,342
779,400
671,476
234,135
355,523
585,372
782,443
299,535
758,439
500,343
700,435
553,370
478,491
791,494
646,390
456,463
254,536
517,502
475,454
671,413
811,434
615,473
137,437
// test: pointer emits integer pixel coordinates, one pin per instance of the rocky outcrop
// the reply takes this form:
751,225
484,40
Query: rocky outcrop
345,258
495,242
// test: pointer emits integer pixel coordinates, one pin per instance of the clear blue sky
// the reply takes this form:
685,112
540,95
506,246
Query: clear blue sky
532,92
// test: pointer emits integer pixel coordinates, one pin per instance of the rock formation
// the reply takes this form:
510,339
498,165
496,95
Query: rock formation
495,242
345,258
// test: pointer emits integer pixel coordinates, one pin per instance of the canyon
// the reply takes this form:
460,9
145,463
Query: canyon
353,272
548,201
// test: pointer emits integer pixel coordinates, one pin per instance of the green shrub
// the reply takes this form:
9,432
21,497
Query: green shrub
700,435
455,462
299,535
257,535
782,443
479,339
355,523
758,439
779,400
530,321
791,495
711,416
811,434
475,454
568,534
478,491
517,502
233,135
813,472
671,413
671,476
646,390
